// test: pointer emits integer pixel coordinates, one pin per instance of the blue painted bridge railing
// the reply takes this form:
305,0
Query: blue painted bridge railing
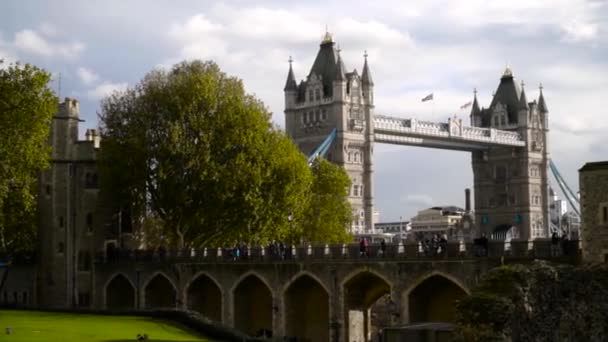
537,249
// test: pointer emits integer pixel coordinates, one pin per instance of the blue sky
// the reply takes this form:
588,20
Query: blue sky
444,47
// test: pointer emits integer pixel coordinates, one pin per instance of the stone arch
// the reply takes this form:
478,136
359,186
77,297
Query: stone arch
159,291
306,308
119,292
431,298
252,303
361,290
204,294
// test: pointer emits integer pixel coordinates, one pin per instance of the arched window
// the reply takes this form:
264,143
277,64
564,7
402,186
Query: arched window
90,222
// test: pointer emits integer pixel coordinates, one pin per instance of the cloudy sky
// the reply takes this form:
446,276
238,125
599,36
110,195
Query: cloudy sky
415,47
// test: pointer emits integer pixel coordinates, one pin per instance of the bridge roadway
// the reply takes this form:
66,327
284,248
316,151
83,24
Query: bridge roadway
320,293
452,135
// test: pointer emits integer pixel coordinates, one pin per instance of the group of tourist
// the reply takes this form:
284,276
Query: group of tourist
437,245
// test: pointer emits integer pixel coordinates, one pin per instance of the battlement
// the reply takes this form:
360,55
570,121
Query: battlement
69,108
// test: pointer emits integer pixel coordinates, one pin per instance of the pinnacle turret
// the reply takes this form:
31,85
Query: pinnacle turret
339,69
290,84
475,108
542,106
523,101
366,77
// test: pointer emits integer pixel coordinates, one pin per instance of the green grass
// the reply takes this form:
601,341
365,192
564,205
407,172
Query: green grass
34,326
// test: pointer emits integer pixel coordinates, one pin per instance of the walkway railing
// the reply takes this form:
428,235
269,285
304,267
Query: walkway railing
537,249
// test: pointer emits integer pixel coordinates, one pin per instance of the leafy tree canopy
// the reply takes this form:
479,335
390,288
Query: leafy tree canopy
190,148
27,105
539,302
329,212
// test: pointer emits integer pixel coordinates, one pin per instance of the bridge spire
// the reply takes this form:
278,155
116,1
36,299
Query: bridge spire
290,84
339,67
542,106
523,101
475,108
366,77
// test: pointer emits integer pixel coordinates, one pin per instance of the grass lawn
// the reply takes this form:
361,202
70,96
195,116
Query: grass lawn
33,326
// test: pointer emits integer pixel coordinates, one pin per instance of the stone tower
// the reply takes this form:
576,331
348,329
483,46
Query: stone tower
68,205
511,184
329,98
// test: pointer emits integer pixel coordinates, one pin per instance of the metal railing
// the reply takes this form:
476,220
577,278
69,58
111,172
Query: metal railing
537,249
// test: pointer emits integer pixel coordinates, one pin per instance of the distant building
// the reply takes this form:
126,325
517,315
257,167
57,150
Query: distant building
557,209
397,230
593,183
438,220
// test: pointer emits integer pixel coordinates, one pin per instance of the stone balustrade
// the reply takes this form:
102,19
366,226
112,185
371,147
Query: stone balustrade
388,125
537,249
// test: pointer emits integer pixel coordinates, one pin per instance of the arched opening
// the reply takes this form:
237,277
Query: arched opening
434,300
361,292
120,294
252,306
160,293
307,310
205,297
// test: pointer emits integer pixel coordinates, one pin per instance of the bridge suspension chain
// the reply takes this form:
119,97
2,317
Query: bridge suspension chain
322,149
566,190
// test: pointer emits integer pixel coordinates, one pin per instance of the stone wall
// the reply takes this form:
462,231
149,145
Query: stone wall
593,178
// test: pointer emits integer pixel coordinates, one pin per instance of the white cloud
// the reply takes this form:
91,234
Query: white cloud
418,200
48,29
87,76
32,42
105,89
579,31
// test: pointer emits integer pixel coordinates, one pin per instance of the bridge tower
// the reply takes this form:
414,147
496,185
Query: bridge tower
511,183
329,98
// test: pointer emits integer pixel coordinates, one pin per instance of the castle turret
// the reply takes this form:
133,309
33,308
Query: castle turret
291,87
367,82
333,98
475,111
522,108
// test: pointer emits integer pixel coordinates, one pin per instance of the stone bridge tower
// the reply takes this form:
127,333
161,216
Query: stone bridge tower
329,98
511,184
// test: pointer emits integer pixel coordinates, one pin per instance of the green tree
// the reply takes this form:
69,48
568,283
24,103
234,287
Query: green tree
329,213
27,105
537,302
189,147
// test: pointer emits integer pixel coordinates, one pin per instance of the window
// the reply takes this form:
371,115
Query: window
502,121
310,98
500,172
60,248
604,213
317,94
324,115
89,222
90,181
84,299
60,221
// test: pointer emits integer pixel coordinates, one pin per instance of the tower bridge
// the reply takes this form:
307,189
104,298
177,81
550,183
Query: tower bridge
508,142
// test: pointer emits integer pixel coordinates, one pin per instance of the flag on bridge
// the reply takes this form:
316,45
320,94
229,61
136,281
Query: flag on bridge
466,105
428,97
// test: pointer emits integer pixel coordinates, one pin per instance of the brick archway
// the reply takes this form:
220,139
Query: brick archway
159,292
204,294
306,308
432,298
252,304
119,293
361,290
